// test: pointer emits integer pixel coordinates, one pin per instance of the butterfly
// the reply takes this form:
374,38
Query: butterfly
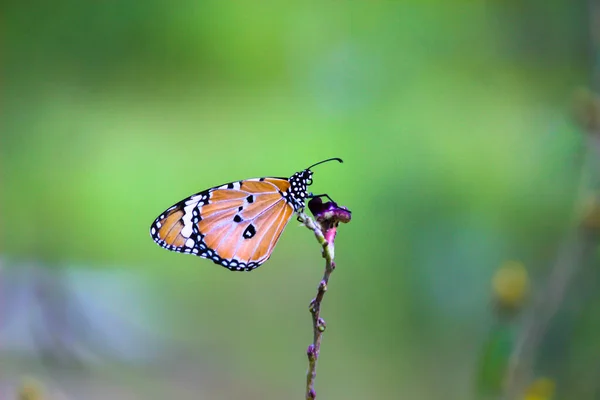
235,225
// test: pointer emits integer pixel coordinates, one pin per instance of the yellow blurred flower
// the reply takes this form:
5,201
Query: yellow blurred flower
586,109
590,212
510,285
30,389
540,389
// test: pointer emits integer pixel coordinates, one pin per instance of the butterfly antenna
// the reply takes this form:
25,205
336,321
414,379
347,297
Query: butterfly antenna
324,161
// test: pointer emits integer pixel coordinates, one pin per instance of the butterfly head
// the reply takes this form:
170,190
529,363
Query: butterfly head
299,183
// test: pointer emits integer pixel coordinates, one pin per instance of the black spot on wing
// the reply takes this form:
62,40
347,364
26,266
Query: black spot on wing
249,232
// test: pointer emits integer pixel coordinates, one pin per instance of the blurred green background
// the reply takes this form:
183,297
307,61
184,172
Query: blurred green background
452,120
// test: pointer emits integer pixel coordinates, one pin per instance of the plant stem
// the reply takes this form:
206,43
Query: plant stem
315,304
576,253
328,216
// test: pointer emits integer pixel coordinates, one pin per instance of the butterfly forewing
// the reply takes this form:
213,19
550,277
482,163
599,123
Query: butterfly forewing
169,228
235,225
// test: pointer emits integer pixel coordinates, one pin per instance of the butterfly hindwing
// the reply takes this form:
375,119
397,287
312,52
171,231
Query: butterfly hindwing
255,239
236,225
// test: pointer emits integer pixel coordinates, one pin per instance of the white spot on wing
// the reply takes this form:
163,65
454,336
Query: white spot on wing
194,200
236,186
190,242
186,231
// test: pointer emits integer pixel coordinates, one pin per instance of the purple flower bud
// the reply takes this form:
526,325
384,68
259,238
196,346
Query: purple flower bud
321,325
312,394
329,211
323,286
312,307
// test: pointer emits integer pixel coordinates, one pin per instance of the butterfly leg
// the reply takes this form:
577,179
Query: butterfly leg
312,196
298,213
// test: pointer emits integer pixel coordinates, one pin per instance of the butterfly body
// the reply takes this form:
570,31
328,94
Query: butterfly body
235,225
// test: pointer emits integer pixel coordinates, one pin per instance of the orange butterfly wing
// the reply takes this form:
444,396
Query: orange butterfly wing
236,225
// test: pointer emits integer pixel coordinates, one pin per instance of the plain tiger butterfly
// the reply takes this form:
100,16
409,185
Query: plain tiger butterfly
235,225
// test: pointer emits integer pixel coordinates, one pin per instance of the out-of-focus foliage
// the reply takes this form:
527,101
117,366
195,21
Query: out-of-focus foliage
458,156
